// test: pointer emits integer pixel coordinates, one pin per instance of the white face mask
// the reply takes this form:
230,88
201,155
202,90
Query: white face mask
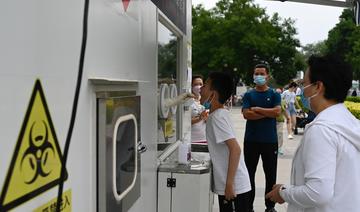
196,89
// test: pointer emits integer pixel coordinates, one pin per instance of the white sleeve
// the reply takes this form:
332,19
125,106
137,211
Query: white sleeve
319,159
222,127
196,109
283,94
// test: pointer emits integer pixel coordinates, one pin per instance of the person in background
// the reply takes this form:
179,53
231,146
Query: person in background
325,170
354,92
298,91
290,100
280,125
261,106
199,114
231,178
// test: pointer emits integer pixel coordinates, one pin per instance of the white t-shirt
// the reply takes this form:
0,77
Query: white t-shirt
288,96
197,129
219,129
325,175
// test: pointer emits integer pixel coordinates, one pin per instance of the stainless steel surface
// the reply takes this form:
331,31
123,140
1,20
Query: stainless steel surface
109,111
199,148
194,167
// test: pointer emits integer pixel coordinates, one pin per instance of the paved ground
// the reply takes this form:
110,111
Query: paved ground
284,163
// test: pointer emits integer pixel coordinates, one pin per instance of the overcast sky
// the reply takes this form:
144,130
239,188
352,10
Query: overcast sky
313,22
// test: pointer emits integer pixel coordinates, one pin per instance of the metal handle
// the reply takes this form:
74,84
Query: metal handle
141,147
121,119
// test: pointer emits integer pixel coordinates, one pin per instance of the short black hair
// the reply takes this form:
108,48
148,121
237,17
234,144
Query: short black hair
293,85
197,76
223,84
334,73
263,65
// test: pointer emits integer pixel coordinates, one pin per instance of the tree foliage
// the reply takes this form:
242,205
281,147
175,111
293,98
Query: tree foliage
318,48
237,34
167,54
344,41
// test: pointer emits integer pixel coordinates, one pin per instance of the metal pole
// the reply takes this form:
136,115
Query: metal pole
333,3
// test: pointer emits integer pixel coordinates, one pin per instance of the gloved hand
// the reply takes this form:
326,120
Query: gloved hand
179,99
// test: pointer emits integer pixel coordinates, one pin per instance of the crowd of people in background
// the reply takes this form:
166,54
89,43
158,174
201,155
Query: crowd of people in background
329,149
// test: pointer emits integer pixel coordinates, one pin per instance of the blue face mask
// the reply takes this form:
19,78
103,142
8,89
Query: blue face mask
306,100
207,103
259,80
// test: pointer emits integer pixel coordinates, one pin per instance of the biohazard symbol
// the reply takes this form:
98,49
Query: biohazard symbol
36,163
37,154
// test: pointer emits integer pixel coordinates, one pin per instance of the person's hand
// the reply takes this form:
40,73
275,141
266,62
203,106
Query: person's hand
189,95
229,193
274,195
204,115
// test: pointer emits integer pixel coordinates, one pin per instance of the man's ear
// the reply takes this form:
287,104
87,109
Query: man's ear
320,87
213,95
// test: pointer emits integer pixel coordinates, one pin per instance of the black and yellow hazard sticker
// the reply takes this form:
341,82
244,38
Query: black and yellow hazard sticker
36,163
65,204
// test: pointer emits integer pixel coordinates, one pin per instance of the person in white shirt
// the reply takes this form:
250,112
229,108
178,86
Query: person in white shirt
298,91
325,175
231,178
289,97
198,112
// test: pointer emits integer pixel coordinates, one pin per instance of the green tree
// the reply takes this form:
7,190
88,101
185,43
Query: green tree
344,41
318,48
167,59
235,35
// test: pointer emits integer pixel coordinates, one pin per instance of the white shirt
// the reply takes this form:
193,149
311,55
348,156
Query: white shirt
198,133
288,96
219,129
325,174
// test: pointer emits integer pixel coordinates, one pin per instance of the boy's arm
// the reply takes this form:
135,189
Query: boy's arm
234,158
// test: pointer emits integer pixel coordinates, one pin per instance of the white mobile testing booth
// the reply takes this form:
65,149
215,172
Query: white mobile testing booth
111,77
101,86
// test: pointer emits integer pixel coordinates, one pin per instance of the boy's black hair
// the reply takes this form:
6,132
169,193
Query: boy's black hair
223,84
262,65
196,77
335,74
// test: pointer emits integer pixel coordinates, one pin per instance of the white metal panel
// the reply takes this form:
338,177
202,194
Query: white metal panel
164,192
192,192
39,39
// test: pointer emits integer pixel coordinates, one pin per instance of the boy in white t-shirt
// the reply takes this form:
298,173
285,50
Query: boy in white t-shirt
231,178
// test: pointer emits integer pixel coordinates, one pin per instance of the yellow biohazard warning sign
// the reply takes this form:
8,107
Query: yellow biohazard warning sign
36,163
65,204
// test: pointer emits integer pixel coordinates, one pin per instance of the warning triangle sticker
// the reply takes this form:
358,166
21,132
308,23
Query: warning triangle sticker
36,163
126,4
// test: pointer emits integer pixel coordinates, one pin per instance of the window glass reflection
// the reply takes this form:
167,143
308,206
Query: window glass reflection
167,74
